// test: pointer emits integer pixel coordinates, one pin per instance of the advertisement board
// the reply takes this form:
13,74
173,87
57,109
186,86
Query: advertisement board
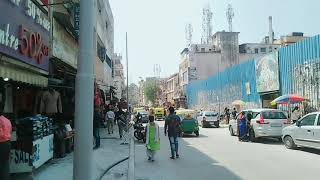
267,72
23,161
24,32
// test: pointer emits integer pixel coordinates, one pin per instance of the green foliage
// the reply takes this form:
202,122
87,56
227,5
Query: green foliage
150,91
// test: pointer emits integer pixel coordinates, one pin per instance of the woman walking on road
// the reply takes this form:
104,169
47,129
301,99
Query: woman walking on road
152,138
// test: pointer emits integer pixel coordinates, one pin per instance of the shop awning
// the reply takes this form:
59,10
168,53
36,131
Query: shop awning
22,75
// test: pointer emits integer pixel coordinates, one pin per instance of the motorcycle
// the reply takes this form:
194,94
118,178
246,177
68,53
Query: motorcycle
140,132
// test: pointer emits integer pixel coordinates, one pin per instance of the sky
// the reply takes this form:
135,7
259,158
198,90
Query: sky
156,28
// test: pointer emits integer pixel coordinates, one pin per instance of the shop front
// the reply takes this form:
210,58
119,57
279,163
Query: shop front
62,74
24,64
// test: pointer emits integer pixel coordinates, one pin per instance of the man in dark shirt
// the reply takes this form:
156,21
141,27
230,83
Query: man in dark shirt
121,121
172,128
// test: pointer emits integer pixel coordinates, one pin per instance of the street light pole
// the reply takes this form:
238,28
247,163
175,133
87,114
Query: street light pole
83,153
127,66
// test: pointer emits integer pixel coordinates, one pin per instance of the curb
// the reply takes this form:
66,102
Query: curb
131,174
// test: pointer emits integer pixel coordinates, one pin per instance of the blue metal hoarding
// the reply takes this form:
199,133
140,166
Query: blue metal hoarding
300,69
235,83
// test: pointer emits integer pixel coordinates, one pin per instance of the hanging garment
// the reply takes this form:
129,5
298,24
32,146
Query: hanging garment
37,103
8,105
51,102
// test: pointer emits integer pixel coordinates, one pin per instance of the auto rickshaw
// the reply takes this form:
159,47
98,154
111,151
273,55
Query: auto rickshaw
159,113
189,123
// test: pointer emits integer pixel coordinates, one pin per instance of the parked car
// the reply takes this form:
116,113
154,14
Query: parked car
264,123
209,119
305,132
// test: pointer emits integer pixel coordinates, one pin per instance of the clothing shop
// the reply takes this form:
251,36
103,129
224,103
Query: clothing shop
24,65
62,74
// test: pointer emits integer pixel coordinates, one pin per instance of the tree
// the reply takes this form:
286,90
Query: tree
150,91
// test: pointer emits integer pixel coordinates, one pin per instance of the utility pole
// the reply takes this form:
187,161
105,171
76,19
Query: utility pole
127,66
83,153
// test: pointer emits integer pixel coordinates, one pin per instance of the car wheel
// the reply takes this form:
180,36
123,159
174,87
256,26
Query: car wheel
289,143
231,131
252,136
197,133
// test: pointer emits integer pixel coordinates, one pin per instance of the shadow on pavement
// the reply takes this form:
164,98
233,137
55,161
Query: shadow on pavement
309,150
270,141
193,164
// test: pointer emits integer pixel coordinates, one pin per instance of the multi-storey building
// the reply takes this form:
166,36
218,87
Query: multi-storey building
105,45
118,76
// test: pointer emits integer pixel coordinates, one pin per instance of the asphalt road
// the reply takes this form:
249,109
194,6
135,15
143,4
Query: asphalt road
217,155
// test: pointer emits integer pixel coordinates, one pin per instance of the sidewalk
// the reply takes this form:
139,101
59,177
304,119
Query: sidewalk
110,152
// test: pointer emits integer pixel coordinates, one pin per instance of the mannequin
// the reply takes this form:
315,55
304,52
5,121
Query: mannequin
51,102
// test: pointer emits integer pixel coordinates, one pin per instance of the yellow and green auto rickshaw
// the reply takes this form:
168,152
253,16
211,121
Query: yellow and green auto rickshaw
159,113
189,123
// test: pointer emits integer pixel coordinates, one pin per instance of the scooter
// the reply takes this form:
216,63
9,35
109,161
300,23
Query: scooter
140,132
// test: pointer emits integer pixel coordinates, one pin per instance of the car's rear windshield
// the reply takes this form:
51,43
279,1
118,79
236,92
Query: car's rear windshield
273,115
211,114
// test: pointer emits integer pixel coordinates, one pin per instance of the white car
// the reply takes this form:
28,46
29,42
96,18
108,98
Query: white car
305,132
208,119
264,123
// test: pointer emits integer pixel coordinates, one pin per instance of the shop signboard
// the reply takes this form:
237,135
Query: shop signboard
22,161
76,18
267,72
24,32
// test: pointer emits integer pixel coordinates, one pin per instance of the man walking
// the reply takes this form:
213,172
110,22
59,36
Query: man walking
110,119
121,121
5,137
172,127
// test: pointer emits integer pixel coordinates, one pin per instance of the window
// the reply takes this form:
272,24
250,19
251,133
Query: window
256,50
203,49
318,121
308,120
273,115
263,50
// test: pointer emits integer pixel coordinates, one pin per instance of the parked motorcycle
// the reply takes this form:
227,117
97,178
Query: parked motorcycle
140,132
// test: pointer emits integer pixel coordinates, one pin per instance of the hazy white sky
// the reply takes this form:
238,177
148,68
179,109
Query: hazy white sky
156,28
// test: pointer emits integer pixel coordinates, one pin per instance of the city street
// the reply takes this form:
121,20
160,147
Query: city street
217,155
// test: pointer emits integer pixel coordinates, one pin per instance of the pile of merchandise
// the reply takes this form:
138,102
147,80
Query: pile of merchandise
34,128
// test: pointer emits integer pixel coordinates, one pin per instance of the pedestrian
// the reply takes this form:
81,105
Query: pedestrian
172,128
96,124
121,121
110,116
296,114
151,114
139,118
227,115
152,138
234,113
243,126
5,145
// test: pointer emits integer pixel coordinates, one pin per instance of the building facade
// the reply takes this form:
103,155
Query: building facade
118,76
290,70
172,88
105,45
